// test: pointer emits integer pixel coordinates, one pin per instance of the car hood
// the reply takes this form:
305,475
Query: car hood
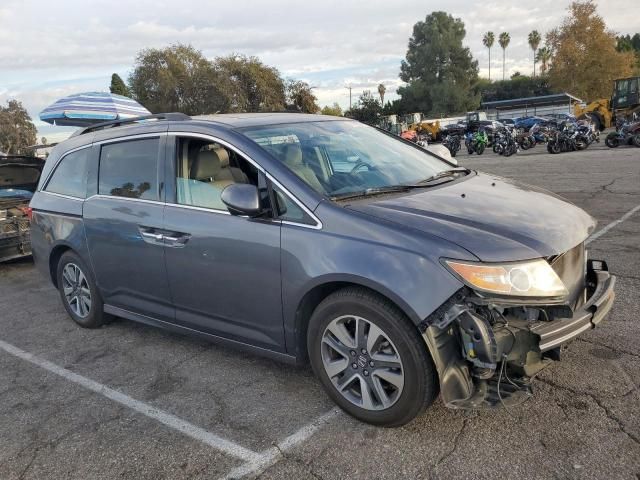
494,218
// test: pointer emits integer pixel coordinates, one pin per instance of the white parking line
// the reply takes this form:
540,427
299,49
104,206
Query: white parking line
255,462
188,429
273,455
608,227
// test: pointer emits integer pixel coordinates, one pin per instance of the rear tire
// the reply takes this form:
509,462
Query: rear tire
79,293
388,347
554,147
636,140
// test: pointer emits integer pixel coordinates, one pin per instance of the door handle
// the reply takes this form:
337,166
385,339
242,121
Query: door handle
153,236
174,240
150,235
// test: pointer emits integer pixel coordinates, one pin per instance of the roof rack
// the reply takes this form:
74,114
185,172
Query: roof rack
126,121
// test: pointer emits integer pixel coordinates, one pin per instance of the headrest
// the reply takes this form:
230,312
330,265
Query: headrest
206,165
223,156
293,155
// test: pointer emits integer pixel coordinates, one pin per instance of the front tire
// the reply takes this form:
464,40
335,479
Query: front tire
370,359
611,141
79,293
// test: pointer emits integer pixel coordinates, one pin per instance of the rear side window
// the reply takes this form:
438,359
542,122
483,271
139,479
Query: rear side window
130,169
70,176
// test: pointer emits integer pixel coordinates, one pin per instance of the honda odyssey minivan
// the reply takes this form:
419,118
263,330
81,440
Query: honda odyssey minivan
396,274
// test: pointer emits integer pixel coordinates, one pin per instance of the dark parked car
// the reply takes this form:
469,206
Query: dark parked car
315,238
19,176
525,123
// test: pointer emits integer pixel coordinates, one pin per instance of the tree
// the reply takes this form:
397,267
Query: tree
504,39
519,86
487,40
334,110
381,91
177,79
585,59
627,43
118,86
367,109
534,42
300,97
544,57
250,85
17,131
439,71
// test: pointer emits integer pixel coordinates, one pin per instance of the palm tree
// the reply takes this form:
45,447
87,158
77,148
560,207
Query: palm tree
381,90
504,40
544,57
534,43
488,40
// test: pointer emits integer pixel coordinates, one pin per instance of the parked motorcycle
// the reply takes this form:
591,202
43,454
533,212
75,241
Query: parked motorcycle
476,142
561,141
626,134
588,129
526,140
540,133
452,142
505,142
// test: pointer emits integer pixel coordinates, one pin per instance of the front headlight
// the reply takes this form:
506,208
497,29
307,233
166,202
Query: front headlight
533,278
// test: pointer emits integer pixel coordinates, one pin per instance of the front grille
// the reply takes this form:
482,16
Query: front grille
571,268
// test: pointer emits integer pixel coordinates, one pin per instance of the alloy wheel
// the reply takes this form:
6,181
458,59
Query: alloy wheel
362,362
76,290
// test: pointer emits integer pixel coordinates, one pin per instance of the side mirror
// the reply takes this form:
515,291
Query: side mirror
242,199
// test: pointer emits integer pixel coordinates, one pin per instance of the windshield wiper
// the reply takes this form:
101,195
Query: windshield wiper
372,191
401,188
443,174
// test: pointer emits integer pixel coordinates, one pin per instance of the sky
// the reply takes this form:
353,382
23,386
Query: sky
52,49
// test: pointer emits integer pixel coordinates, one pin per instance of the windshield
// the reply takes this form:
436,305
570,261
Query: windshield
336,158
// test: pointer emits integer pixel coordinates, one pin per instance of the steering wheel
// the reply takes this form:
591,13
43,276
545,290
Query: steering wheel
360,164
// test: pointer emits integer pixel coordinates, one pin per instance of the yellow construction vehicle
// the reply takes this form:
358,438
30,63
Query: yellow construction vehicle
624,102
415,122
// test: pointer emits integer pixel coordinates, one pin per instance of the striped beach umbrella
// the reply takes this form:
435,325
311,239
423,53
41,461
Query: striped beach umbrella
83,109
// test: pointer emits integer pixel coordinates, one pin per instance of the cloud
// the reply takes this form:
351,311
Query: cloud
52,48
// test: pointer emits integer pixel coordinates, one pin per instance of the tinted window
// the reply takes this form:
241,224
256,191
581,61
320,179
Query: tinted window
130,169
70,176
204,169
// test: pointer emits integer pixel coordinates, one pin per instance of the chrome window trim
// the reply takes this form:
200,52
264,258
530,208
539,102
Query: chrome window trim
204,136
130,199
70,197
45,184
200,209
131,137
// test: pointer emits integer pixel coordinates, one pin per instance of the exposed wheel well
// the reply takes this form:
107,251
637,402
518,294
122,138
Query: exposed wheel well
54,258
309,303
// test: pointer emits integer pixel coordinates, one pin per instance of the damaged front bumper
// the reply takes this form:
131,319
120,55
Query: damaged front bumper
487,349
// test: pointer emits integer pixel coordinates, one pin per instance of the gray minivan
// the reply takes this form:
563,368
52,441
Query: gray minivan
396,274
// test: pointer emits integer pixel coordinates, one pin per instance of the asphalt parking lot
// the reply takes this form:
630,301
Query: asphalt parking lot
130,401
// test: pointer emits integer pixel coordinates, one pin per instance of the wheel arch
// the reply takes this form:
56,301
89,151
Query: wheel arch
54,259
321,290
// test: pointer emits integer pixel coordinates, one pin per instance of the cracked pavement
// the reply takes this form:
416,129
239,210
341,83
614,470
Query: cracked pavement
583,421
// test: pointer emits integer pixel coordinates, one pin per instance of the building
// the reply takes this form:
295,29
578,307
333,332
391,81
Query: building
522,107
